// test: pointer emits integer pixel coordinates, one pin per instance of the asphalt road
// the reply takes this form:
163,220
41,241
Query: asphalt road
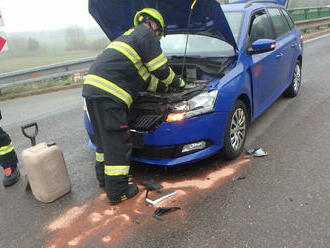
281,200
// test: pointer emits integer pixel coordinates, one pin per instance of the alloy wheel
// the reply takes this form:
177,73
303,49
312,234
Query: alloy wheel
237,129
296,78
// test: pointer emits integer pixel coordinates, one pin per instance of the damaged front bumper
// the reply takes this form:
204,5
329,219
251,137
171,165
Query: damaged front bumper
175,143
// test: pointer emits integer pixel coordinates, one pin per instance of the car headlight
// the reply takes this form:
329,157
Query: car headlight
200,104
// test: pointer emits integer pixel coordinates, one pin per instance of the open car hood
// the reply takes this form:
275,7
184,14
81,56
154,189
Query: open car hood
283,3
116,16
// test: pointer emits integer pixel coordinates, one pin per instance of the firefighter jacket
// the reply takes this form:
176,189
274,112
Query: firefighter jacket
8,155
131,63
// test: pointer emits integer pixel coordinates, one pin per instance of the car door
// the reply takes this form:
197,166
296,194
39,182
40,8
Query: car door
286,41
263,73
294,42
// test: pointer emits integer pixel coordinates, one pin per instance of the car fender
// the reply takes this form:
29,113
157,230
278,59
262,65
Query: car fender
233,85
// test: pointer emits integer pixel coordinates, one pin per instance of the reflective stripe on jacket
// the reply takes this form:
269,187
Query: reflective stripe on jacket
6,149
109,87
133,62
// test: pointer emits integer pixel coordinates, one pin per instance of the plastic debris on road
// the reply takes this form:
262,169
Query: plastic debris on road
161,210
161,198
152,184
241,177
257,152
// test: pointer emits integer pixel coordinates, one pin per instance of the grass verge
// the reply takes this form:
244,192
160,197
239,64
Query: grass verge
39,88
10,64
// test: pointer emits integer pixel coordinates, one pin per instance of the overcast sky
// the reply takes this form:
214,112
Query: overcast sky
27,15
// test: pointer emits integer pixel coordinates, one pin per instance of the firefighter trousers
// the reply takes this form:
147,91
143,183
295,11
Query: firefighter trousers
113,142
8,155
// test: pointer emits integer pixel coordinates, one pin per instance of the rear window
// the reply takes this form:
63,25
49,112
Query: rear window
280,24
288,18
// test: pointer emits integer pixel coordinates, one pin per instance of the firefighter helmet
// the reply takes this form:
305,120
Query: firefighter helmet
148,14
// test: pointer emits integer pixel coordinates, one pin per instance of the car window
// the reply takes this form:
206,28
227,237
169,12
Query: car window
260,27
235,21
281,26
288,18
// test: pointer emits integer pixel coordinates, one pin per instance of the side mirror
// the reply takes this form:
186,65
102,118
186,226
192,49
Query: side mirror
262,46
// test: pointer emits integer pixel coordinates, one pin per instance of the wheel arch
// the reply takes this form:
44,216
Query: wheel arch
245,99
300,59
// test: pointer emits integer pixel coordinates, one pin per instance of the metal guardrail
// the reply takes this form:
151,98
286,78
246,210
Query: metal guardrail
311,17
304,18
319,23
43,73
299,14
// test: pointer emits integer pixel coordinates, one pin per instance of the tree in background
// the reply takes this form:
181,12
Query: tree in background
17,45
75,38
99,44
33,45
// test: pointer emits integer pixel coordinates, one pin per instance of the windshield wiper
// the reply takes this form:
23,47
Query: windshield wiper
189,57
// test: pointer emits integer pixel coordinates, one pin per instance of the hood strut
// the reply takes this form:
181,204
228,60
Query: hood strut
185,49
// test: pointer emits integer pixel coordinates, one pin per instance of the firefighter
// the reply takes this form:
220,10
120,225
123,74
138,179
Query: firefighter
8,159
133,62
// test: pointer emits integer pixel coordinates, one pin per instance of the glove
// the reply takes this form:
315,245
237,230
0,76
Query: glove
176,86
182,83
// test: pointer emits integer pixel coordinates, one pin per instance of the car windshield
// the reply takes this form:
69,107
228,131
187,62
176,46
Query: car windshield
201,45
235,21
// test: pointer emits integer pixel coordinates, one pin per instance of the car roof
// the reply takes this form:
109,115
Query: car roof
246,7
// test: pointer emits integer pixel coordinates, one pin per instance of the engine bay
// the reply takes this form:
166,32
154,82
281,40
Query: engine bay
151,109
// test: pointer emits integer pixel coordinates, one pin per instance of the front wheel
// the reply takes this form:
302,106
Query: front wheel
294,87
236,131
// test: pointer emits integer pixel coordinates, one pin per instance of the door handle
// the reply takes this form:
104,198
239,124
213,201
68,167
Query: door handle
279,55
293,45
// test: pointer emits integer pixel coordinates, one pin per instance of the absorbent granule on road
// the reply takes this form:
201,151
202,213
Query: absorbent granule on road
96,220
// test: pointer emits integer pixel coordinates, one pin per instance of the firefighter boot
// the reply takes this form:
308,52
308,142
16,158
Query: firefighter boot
130,192
11,177
99,171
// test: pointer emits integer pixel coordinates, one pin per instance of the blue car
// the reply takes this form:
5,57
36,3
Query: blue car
237,59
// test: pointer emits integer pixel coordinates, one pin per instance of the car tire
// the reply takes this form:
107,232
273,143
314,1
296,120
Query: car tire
236,131
293,89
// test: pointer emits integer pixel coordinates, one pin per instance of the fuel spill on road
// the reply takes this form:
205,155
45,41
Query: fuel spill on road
98,222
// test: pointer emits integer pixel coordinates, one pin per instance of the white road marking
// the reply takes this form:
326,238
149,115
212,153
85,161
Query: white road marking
320,37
